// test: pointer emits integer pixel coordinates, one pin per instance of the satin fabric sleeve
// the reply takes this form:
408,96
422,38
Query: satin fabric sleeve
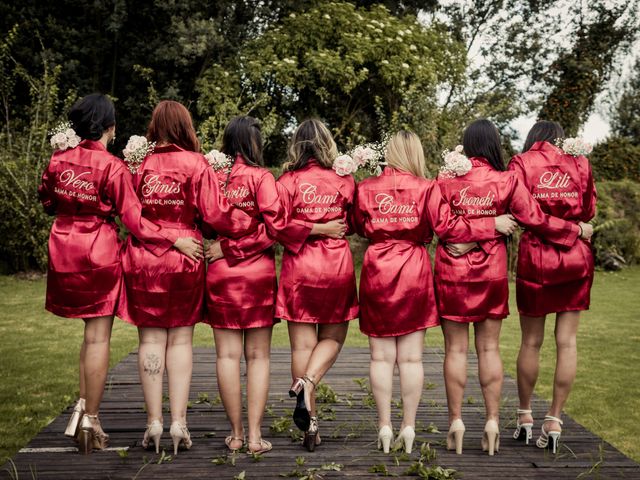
515,165
589,197
295,232
45,193
357,218
527,212
274,219
216,211
119,188
455,228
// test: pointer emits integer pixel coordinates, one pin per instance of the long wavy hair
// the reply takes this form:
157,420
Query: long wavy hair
312,139
171,123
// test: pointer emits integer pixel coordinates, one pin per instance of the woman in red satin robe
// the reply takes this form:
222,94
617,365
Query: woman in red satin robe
86,187
473,288
163,295
241,282
317,291
551,279
398,212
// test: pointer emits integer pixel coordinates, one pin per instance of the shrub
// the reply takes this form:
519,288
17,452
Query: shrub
615,159
24,151
617,223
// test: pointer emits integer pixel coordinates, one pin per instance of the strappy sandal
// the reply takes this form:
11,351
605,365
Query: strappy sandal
301,389
523,430
265,446
549,439
231,438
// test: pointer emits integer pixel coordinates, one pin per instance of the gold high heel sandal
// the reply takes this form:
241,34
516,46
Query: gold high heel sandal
405,439
74,421
180,435
523,430
549,439
491,437
385,434
455,436
153,432
312,436
91,437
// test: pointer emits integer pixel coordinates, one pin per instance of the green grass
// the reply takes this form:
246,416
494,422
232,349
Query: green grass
38,352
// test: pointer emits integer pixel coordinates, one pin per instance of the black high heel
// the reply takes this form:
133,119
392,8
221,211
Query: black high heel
301,389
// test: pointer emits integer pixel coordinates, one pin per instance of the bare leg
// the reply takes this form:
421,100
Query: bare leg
331,337
383,359
257,349
179,361
83,387
228,356
303,338
529,361
456,346
489,365
409,357
97,336
151,364
566,364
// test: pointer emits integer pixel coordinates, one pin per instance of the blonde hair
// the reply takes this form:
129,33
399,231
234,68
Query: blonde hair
312,139
404,152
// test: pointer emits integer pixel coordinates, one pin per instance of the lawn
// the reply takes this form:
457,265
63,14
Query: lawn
38,373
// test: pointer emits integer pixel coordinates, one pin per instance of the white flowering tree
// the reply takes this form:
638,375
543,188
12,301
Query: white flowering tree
363,71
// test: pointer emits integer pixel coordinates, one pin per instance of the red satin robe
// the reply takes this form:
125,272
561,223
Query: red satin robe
551,279
317,280
85,188
399,213
474,286
178,190
242,286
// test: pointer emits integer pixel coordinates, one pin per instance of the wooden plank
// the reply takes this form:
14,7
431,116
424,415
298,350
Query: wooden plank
349,439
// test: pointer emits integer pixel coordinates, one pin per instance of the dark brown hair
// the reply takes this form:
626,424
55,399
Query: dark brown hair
242,137
543,131
171,123
312,139
481,139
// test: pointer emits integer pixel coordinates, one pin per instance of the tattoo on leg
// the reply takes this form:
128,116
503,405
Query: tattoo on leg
152,364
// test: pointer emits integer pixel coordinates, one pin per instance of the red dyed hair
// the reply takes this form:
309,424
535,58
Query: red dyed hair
171,123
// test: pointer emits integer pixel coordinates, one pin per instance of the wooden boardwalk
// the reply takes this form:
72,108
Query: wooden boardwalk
348,433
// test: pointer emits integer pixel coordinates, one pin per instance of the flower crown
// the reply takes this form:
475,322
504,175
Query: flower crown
456,163
219,161
575,146
138,147
63,136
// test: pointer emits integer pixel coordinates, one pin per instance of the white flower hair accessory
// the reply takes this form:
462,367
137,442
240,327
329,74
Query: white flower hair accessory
138,147
456,163
63,136
575,146
219,161
345,165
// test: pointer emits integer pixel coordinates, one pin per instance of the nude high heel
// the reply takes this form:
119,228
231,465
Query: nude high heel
153,432
90,436
180,435
385,434
491,437
74,421
523,430
455,436
405,439
549,439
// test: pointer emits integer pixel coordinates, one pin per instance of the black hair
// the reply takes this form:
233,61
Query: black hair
242,136
481,139
92,115
543,131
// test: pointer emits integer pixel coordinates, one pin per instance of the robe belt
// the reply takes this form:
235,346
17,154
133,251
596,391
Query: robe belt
399,241
170,224
84,218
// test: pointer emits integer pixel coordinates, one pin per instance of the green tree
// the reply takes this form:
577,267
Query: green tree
364,71
625,118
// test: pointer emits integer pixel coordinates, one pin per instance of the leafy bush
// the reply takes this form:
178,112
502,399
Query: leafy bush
617,223
615,159
24,151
